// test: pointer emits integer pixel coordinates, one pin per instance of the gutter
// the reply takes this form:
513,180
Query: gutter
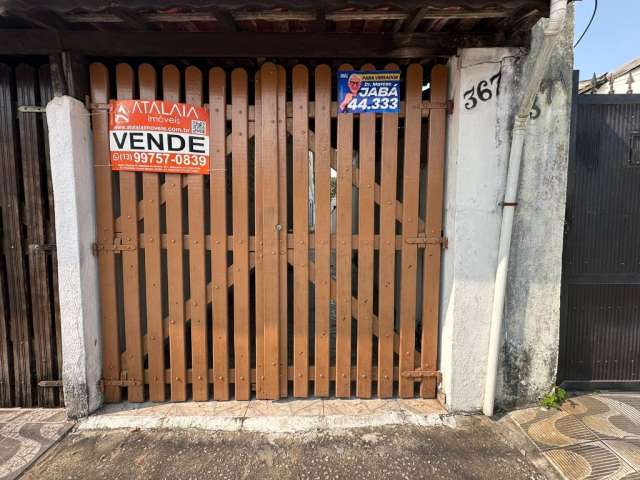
555,26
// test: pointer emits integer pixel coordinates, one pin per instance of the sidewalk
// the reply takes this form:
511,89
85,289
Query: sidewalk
593,436
317,439
25,434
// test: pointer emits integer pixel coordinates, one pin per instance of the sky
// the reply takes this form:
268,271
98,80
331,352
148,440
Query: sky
613,38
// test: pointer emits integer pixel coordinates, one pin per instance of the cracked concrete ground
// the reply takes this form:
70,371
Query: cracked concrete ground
476,447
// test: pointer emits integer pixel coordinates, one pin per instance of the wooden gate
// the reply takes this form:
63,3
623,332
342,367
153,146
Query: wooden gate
239,281
30,342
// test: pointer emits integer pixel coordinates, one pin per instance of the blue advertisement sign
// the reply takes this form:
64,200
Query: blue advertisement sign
369,91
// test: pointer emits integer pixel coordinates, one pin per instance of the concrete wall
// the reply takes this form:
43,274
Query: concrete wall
479,136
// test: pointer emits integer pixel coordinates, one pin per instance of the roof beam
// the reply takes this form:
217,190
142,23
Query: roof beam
249,44
228,18
225,20
133,21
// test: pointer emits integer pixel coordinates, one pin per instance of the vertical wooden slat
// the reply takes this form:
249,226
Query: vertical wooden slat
46,94
270,210
387,258
197,260
300,85
38,279
175,267
152,257
412,131
283,229
5,351
130,258
259,272
343,252
240,179
433,227
323,228
105,232
367,161
218,179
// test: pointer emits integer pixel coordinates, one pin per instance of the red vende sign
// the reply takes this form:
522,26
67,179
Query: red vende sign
158,136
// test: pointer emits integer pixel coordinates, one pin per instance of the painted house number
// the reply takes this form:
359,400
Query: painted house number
483,91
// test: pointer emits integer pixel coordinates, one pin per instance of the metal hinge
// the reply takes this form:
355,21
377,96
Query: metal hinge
50,383
423,374
116,246
422,241
42,247
32,109
118,383
448,106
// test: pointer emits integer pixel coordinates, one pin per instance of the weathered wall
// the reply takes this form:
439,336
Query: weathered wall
532,311
479,136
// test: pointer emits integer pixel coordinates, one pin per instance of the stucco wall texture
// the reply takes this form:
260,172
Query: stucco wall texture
479,137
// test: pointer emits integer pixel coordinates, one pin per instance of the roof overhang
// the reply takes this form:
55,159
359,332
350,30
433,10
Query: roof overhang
266,28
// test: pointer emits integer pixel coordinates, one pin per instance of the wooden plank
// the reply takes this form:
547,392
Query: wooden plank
218,179
6,379
258,218
344,230
411,188
283,229
251,44
197,259
300,88
367,166
153,258
130,258
322,245
46,94
387,256
31,154
433,223
240,179
99,77
270,234
175,265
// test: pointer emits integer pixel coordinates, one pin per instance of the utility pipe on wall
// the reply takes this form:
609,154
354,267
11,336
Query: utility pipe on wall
555,26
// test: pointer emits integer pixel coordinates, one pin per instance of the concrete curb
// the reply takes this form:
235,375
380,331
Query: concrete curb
264,424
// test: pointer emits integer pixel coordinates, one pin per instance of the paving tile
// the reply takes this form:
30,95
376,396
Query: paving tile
628,449
628,405
27,435
601,416
357,407
422,406
265,408
589,461
552,428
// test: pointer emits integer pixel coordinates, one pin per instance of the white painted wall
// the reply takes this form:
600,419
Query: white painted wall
477,153
75,212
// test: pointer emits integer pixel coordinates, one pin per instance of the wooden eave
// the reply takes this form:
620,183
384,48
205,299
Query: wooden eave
305,28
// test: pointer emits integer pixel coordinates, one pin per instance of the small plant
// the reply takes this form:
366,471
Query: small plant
555,398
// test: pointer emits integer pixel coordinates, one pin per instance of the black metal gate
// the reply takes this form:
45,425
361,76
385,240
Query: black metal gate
600,326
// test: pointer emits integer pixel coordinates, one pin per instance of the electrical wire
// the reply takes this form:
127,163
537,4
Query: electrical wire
593,15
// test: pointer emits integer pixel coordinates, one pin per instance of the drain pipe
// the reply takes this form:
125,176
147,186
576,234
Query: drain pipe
555,27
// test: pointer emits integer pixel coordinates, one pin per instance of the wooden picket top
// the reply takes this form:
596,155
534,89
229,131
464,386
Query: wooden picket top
244,281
